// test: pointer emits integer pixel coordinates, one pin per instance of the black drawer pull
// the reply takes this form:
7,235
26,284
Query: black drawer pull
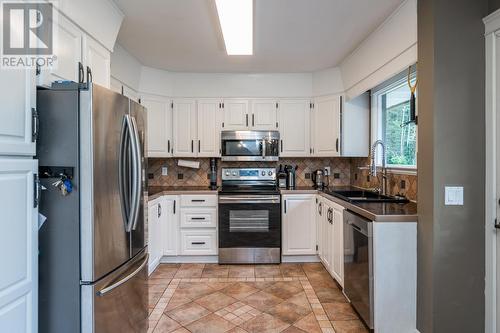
198,200
197,243
198,218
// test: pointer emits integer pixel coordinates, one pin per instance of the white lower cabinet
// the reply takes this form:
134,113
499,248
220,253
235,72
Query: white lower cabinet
299,224
198,242
337,262
170,230
154,233
19,245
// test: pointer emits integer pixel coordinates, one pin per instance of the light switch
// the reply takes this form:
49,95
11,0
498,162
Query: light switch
164,171
454,196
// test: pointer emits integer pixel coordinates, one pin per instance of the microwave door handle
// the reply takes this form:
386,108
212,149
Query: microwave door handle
264,149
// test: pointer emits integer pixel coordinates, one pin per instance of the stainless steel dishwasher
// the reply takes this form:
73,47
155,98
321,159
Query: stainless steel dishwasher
358,264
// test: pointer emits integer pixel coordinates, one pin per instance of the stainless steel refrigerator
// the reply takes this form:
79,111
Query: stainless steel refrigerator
93,258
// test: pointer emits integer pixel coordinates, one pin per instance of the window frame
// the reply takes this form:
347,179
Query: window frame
377,119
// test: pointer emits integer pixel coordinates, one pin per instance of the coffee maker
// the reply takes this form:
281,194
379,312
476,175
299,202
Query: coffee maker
290,176
318,178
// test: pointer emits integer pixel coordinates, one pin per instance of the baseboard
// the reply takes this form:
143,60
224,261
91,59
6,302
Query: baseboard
190,260
153,265
292,259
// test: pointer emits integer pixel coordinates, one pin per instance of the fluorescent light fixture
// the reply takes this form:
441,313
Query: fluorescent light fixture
236,22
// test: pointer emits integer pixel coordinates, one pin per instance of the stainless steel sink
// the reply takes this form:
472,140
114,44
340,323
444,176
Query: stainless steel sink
366,196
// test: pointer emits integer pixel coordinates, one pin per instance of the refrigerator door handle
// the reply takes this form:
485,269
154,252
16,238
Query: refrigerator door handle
122,174
115,285
137,175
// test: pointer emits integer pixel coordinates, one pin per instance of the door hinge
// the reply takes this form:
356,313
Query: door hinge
35,125
36,191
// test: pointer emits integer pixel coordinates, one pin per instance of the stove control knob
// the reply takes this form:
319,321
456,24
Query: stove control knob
263,173
234,173
270,173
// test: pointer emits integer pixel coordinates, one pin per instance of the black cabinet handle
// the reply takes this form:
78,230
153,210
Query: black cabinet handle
198,218
337,145
285,206
247,119
174,206
198,200
168,148
198,243
159,210
199,146
192,146
281,145
253,120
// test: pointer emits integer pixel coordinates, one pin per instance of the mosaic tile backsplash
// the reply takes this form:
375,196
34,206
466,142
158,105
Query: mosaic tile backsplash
181,176
345,171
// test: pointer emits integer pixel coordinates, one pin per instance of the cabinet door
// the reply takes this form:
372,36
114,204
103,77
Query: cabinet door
318,220
326,127
209,127
159,126
299,227
294,124
264,115
327,235
19,246
338,244
68,49
98,58
170,225
235,114
154,213
184,128
17,102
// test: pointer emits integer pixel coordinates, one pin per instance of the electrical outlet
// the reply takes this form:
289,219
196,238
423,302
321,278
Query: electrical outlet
151,176
164,171
403,184
328,171
336,176
308,175
180,176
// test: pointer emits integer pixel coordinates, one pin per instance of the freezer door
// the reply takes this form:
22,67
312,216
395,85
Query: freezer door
119,302
104,238
139,116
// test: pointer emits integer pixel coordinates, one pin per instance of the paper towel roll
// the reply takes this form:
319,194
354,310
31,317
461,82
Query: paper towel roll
188,164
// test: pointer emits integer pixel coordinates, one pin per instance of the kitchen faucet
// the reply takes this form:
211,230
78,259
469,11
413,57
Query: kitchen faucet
373,166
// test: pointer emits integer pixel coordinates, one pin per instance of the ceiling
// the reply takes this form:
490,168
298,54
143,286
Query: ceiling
289,35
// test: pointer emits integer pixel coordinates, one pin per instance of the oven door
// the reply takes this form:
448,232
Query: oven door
249,221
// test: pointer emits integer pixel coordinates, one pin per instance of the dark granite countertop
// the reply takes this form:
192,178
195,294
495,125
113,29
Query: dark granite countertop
157,191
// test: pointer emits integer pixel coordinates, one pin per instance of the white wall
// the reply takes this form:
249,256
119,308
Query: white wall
387,51
125,68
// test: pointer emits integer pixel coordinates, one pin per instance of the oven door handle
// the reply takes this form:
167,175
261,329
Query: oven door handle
264,148
236,200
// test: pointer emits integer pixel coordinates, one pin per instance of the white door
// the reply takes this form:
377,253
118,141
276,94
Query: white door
209,127
154,234
170,225
17,103
295,124
19,246
326,127
98,59
68,50
264,114
299,225
338,243
159,126
235,114
184,128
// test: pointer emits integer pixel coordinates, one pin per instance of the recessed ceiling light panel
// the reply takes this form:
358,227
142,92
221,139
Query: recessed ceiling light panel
236,21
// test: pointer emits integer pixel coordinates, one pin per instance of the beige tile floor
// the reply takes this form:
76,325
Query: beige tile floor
211,298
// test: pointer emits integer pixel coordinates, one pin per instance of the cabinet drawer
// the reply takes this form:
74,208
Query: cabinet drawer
199,218
199,201
198,242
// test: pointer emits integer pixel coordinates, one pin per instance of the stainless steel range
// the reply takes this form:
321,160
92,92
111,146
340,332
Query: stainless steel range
249,217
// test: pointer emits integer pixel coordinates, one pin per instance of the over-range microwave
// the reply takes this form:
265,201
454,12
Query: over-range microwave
250,145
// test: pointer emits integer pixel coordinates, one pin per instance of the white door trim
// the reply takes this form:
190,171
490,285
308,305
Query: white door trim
492,25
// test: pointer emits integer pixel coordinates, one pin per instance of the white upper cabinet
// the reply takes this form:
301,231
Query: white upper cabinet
264,114
68,50
235,114
184,127
72,48
159,126
98,59
294,125
209,127
356,127
326,126
299,225
17,105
